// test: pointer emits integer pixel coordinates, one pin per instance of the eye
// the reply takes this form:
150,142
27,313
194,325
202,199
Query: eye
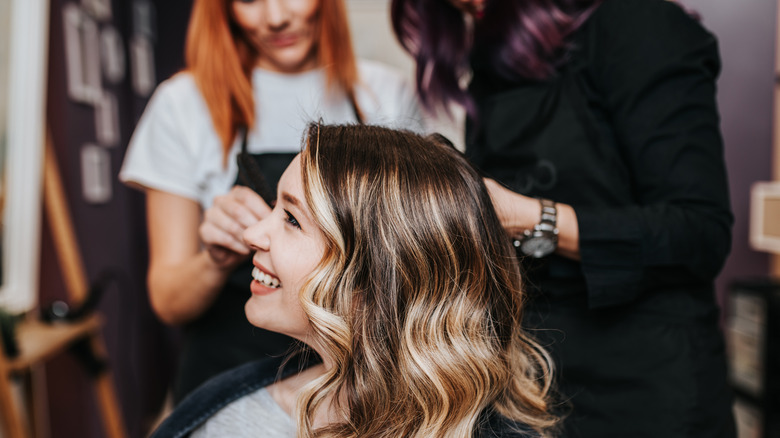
291,220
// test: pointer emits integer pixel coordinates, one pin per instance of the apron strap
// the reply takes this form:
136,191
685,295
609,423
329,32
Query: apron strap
249,173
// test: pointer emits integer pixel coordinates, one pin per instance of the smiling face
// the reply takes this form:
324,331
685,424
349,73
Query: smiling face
283,31
288,245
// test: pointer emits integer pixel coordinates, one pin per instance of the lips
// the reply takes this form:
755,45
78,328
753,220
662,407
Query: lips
282,40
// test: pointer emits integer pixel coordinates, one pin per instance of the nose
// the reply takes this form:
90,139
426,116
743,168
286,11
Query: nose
257,236
276,13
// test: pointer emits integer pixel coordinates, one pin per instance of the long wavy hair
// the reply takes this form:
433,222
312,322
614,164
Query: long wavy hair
418,299
521,39
221,58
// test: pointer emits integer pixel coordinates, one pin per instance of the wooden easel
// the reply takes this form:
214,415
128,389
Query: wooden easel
39,341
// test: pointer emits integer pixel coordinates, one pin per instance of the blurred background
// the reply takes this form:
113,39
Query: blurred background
83,70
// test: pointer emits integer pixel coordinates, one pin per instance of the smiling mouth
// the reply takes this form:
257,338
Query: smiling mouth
266,279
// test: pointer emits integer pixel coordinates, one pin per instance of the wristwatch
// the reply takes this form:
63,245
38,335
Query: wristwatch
542,239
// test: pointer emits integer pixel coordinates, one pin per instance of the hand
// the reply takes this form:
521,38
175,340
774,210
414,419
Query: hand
518,213
515,211
225,221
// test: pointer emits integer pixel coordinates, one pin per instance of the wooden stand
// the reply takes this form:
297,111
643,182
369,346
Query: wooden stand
39,341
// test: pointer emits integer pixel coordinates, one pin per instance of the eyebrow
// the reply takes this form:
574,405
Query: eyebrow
290,199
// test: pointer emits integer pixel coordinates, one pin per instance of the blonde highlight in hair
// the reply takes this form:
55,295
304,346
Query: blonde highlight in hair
418,299
221,59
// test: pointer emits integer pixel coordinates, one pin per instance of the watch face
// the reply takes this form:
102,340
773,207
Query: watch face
537,246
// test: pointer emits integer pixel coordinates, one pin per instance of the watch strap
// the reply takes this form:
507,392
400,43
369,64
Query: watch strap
547,228
549,216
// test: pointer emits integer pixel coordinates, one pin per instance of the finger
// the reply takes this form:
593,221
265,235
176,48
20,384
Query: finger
218,217
213,236
253,202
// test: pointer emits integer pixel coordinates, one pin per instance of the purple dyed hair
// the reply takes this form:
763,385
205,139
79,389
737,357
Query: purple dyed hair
521,38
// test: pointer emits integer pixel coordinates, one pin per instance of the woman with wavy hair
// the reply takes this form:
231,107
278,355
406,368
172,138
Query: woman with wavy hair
257,71
384,257
596,122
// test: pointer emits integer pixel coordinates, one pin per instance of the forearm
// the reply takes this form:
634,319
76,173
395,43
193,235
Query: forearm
180,293
568,232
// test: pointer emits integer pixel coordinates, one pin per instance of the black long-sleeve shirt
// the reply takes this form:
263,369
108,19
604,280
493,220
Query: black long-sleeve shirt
627,133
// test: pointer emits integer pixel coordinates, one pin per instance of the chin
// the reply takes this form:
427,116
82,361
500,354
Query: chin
258,311
293,59
262,312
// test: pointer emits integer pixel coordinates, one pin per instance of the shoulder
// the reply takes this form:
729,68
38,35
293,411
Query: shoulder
627,10
224,389
634,41
181,82
180,90
656,22
381,77
177,102
178,106
371,68
387,96
255,414
632,7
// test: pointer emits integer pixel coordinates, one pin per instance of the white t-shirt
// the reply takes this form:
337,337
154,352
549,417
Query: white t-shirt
254,415
175,148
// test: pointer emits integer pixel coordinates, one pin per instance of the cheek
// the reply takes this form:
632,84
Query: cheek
244,17
311,18
301,255
295,312
311,9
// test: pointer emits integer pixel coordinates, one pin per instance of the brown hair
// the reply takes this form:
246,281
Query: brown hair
418,299
221,59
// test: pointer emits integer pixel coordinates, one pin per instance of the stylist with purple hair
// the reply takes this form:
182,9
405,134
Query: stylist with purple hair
597,126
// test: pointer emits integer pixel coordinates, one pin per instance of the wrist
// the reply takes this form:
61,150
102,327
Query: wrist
521,215
541,239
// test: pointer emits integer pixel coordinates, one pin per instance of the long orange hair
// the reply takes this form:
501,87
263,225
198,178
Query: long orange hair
221,60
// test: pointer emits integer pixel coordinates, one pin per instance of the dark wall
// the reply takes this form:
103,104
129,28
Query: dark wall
111,235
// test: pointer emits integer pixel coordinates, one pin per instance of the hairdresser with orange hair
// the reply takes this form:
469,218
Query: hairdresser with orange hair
257,72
